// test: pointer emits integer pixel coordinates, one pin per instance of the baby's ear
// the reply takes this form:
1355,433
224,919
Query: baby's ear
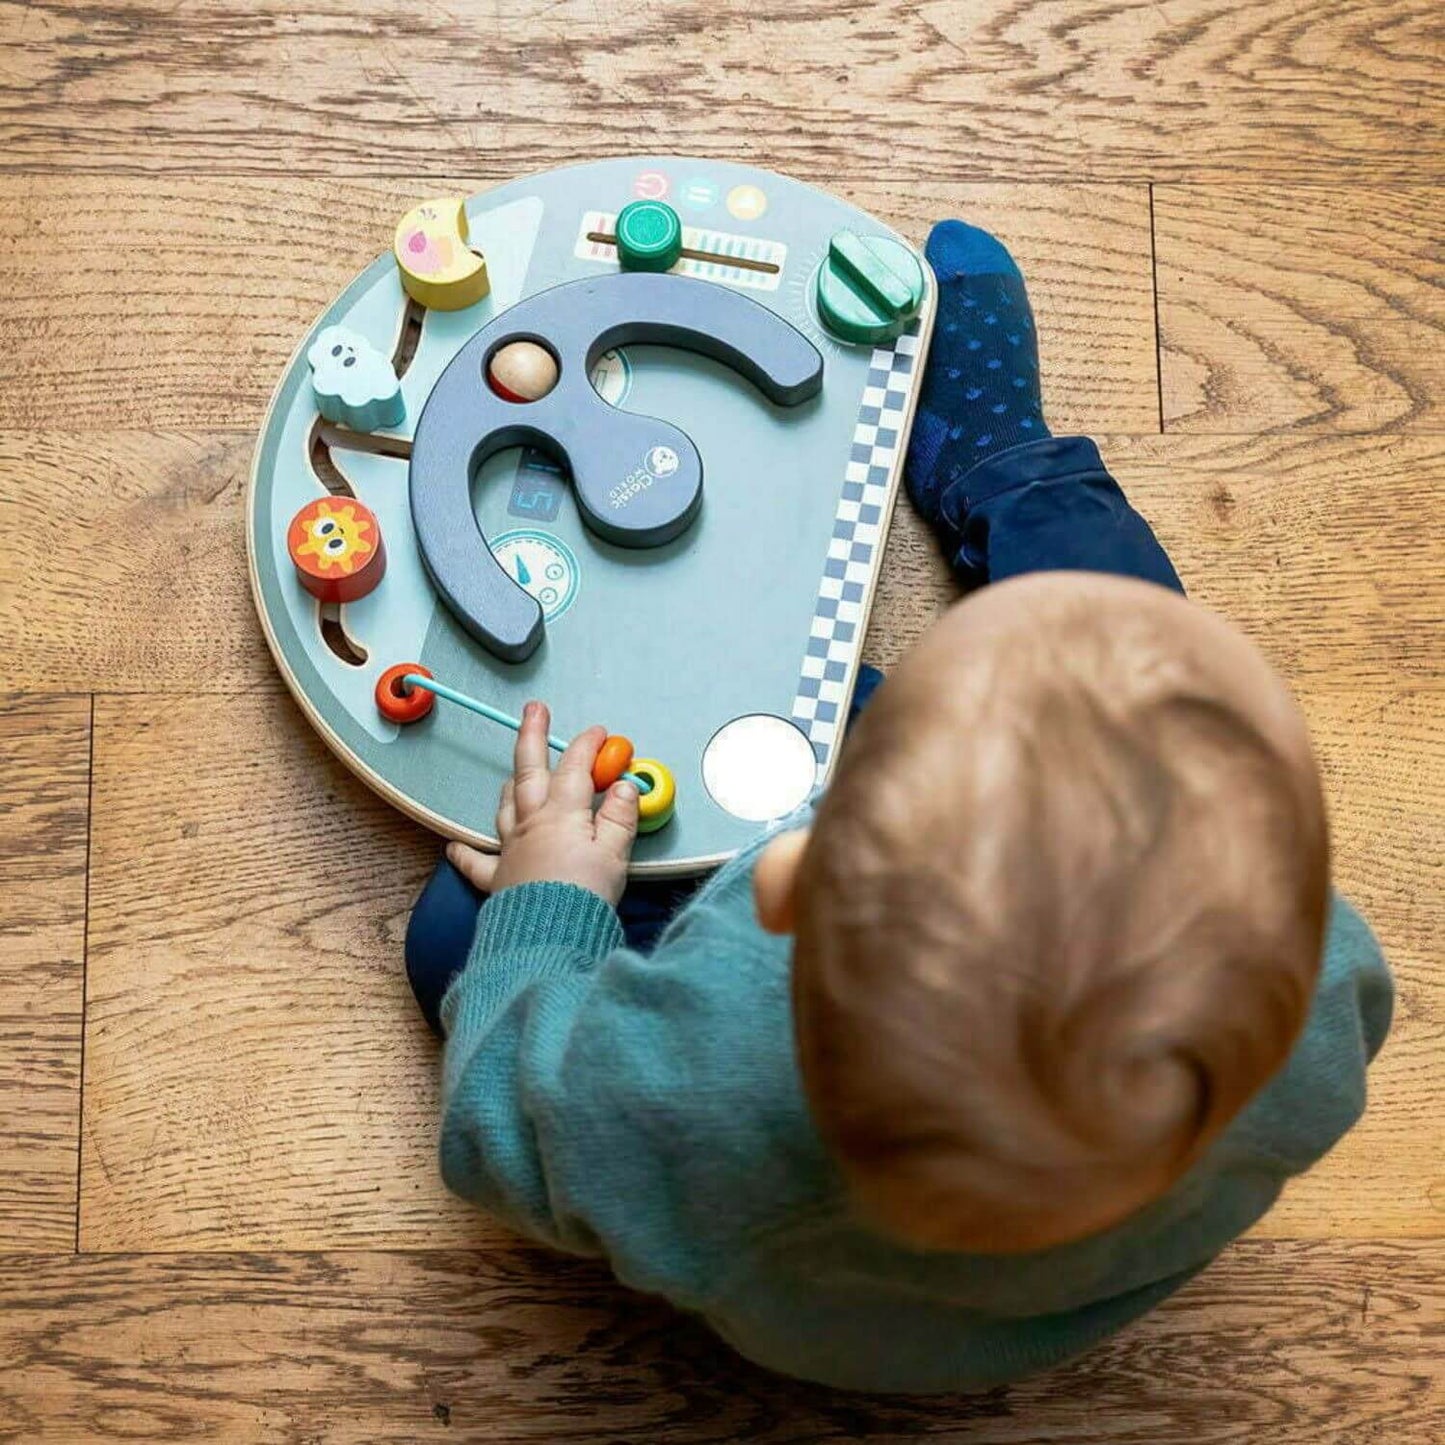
775,880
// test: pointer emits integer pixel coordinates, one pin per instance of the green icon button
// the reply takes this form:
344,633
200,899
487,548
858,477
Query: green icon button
649,237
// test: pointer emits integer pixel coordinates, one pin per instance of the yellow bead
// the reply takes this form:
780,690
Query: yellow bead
654,809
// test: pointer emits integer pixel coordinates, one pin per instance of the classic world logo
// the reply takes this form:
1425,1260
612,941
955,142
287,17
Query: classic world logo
659,463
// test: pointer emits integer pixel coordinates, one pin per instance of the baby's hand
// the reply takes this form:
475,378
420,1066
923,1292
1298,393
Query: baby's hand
545,822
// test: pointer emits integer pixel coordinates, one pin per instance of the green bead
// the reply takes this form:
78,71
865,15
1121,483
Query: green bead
651,825
649,237
869,288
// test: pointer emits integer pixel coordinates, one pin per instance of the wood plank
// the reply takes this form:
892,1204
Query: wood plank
124,565
256,1077
1287,306
181,300
1282,90
44,778
125,562
1322,549
1324,1344
1383,759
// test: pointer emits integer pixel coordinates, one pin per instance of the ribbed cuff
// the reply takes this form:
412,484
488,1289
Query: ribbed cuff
524,935
559,917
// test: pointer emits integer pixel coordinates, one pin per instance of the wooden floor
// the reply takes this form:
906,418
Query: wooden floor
219,1213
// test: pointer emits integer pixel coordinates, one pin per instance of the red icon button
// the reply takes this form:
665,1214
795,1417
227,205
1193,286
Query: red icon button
650,186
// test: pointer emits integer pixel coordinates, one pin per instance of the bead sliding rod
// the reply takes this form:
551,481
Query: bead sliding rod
496,715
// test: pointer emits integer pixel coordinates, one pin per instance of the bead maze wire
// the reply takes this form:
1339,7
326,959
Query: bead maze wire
496,715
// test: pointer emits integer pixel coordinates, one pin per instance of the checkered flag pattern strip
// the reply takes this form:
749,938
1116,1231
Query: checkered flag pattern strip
856,549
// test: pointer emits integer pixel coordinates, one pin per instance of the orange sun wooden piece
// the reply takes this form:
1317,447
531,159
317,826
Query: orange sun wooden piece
335,544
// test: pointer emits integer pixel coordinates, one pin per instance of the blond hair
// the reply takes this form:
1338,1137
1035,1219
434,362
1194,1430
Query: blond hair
1059,918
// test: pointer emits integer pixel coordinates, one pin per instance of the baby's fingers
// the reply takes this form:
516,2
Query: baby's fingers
617,820
476,867
507,811
530,762
572,782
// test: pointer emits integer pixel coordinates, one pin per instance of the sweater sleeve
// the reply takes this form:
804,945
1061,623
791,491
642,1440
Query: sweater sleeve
642,1109
508,1018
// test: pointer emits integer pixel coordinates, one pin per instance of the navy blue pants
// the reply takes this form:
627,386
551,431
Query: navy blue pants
1047,506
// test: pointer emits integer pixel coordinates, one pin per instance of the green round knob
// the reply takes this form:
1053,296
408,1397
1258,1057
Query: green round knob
869,288
649,237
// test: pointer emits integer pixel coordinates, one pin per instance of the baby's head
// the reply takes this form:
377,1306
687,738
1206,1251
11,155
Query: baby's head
1059,916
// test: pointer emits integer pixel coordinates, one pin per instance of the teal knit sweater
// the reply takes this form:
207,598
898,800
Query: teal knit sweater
648,1110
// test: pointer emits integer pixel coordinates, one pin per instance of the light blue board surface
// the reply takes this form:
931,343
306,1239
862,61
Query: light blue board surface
737,616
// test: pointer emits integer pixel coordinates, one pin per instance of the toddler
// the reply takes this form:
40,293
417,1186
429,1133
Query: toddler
946,1080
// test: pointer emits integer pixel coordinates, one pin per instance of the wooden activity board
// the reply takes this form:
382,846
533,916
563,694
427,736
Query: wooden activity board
680,539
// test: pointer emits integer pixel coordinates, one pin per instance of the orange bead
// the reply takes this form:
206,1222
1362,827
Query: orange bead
397,702
613,760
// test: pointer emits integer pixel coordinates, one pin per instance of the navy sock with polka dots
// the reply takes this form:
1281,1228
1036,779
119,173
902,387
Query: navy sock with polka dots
981,386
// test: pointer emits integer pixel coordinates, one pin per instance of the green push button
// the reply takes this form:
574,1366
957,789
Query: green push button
649,237
869,288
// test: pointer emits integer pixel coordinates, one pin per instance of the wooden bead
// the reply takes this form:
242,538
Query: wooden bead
397,702
522,371
436,265
335,545
654,809
613,759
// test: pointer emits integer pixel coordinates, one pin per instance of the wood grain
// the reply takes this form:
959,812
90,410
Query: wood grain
890,90
256,1077
257,1073
44,772
1320,307
124,564
181,300
1324,549
1383,759
1343,1345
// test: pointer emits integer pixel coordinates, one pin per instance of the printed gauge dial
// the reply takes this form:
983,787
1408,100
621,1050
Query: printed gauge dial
543,565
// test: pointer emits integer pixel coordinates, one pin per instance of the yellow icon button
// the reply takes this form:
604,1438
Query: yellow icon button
747,203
